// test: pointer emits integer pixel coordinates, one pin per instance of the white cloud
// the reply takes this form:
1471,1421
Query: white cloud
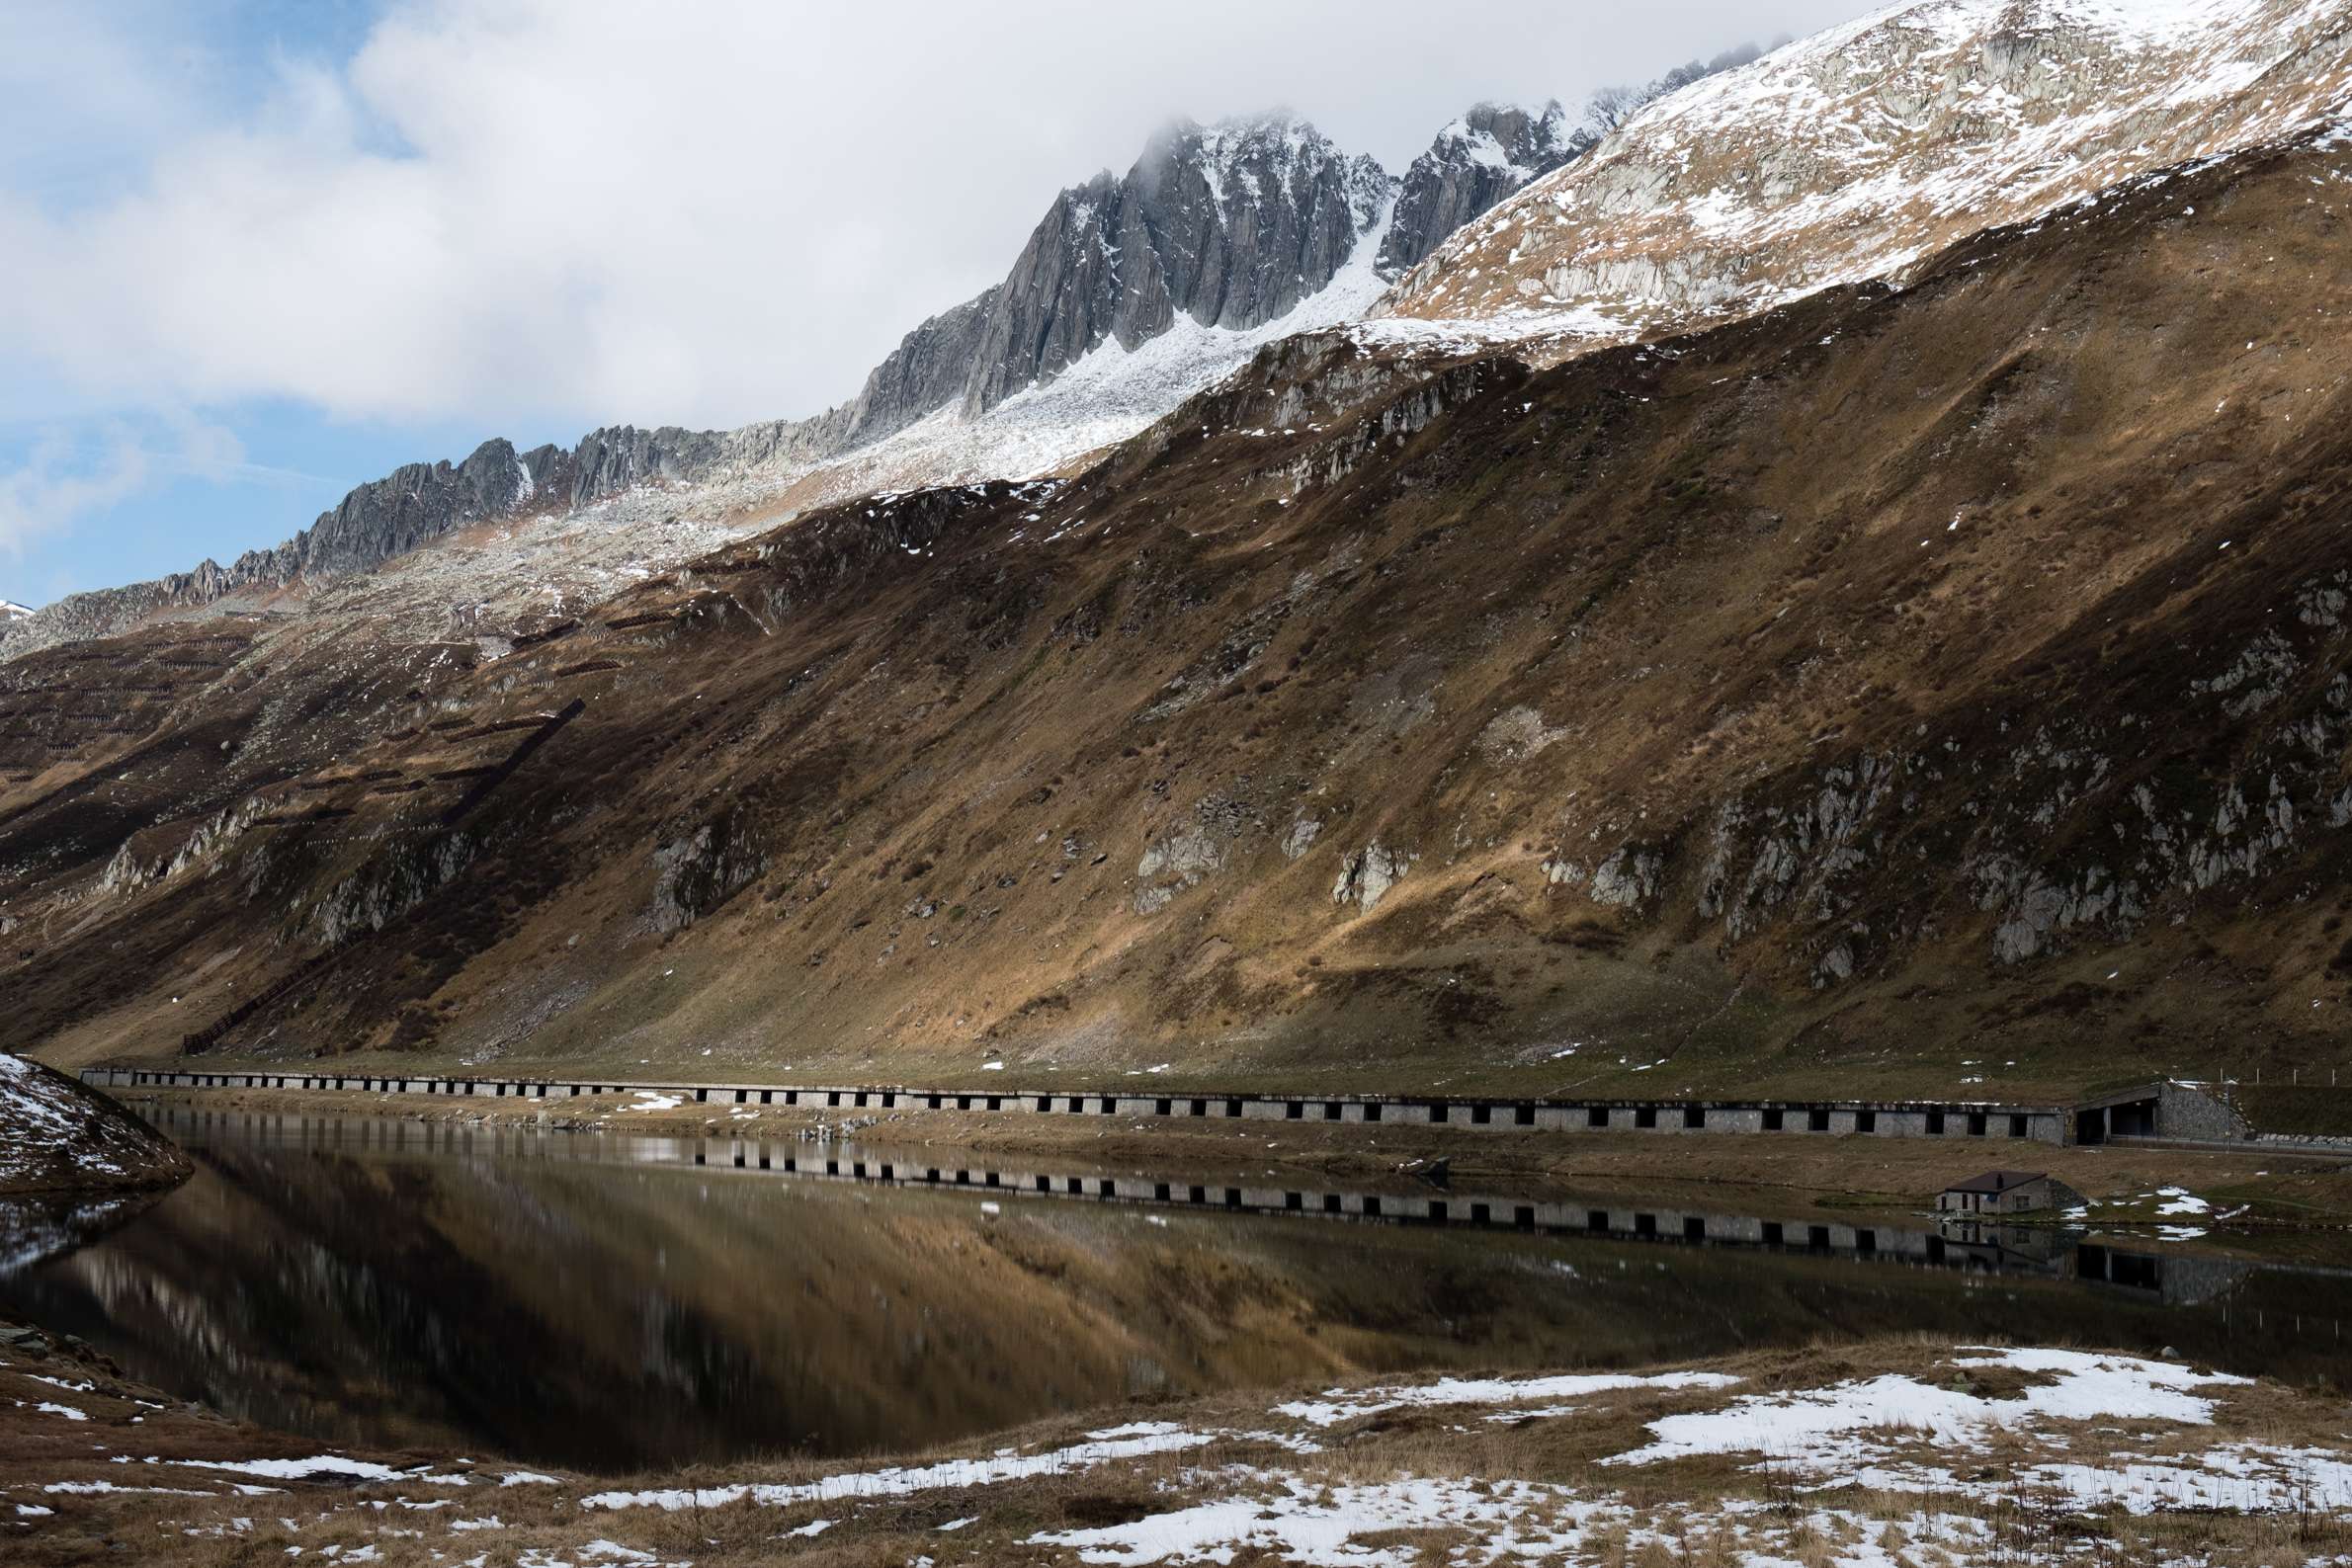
709,211
63,478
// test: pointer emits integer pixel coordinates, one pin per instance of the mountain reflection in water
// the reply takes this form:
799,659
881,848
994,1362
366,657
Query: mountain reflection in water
609,1303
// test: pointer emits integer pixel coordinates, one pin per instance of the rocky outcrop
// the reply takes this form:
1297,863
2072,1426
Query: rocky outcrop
1366,876
1625,879
697,872
1475,162
926,372
619,458
1230,225
387,888
1175,861
394,515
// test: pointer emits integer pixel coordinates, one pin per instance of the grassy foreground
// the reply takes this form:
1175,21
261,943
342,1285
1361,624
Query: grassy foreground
1896,1452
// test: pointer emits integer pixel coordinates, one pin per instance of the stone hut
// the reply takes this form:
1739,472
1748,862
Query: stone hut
2007,1193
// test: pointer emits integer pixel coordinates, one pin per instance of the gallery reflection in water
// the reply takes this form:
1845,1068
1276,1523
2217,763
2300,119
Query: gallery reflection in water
612,1302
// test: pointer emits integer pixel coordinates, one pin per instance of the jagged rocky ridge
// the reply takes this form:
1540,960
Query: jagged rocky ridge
410,507
1230,226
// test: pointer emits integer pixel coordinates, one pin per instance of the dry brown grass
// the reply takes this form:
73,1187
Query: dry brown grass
1705,1512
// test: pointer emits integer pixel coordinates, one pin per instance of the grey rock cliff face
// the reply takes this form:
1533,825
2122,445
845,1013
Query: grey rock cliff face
924,373
412,506
416,504
1231,225
1473,163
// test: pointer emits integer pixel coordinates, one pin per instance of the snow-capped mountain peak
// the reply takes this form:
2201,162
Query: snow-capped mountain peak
1474,162
1235,156
1853,153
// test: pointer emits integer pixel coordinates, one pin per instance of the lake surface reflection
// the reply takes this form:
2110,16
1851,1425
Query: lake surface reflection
612,1302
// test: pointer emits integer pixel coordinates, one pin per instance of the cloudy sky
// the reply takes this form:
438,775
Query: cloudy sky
260,251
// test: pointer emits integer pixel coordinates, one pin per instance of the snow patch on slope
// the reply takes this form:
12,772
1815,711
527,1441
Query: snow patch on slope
1340,1404
1841,1427
1317,1525
1118,1442
39,1114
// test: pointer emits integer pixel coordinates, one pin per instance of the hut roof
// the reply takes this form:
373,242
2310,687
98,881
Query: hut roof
1995,1182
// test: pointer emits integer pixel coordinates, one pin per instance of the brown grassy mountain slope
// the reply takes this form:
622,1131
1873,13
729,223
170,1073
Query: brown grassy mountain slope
1903,691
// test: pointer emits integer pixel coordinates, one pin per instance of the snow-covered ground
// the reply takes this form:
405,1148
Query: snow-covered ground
59,1138
1761,1468
1833,1431
489,579
1100,1448
1866,1431
1514,1392
1845,1435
